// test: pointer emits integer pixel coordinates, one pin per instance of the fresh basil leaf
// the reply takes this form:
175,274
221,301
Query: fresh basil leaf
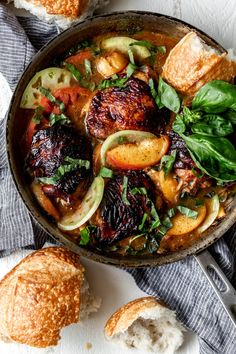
215,97
171,212
231,116
64,168
197,174
167,222
213,125
38,115
167,162
61,119
88,67
155,94
141,226
154,213
105,172
74,71
47,93
168,96
155,224
124,191
215,157
187,212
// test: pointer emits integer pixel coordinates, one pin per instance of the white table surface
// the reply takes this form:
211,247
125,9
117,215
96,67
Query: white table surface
114,286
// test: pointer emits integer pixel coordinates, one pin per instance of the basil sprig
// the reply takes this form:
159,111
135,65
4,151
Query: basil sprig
165,95
69,164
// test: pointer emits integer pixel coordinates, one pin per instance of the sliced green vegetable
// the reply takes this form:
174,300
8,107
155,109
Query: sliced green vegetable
51,79
122,44
212,211
215,97
187,212
87,207
168,96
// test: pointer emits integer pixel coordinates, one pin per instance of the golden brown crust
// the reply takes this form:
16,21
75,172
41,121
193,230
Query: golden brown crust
128,313
68,8
187,66
40,296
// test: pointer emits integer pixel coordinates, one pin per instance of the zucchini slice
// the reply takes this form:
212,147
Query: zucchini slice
122,44
50,78
86,209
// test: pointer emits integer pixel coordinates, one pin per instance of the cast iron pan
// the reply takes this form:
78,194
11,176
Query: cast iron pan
15,128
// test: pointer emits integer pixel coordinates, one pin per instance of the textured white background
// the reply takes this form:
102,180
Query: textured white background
218,19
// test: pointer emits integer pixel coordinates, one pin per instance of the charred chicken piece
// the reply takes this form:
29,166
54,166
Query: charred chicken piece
183,159
115,218
123,108
49,148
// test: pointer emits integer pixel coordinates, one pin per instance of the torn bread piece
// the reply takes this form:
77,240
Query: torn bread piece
192,63
62,12
45,292
146,324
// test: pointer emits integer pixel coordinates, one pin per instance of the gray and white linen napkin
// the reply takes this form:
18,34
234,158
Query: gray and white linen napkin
182,284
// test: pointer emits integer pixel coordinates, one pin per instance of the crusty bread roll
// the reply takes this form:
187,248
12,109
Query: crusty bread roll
45,292
62,12
145,324
192,63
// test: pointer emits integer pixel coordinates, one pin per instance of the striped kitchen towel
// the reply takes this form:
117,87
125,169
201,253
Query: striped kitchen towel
180,284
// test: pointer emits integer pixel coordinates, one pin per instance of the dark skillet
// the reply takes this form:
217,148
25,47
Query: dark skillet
98,25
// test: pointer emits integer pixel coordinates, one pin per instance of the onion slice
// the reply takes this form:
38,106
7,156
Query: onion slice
86,209
213,206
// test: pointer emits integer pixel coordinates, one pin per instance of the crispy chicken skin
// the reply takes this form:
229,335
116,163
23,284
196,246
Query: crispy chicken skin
115,218
124,108
48,150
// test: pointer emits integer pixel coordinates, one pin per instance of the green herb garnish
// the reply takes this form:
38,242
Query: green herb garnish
187,212
88,67
136,190
84,236
61,119
168,96
69,165
47,93
105,172
124,191
141,226
167,162
38,115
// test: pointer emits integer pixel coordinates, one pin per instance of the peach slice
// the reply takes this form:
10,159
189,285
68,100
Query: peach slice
182,224
147,152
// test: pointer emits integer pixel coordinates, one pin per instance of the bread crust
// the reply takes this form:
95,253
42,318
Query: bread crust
187,68
68,8
40,296
128,313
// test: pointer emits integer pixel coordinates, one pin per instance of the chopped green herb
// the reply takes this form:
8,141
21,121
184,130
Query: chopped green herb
61,119
167,222
141,226
38,115
131,56
155,94
162,231
171,212
187,212
154,213
155,224
105,172
88,67
130,69
167,162
74,71
120,82
65,168
84,236
47,93
124,191
141,190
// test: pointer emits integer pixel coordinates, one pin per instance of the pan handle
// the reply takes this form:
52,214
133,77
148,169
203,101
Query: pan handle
227,295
